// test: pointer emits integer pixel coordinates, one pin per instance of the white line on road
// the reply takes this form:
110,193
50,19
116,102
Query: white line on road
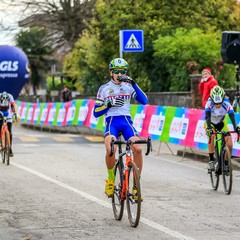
150,223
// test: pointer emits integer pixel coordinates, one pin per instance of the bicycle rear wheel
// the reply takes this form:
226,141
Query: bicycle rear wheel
133,200
227,170
117,202
214,175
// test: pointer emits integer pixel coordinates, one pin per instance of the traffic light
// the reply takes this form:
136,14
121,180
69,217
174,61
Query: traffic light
231,47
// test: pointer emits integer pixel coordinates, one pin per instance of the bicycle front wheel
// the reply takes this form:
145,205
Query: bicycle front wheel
214,175
2,150
134,195
7,147
117,201
227,170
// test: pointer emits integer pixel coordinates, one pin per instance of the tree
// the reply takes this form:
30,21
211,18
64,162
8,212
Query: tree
100,43
63,20
33,43
182,47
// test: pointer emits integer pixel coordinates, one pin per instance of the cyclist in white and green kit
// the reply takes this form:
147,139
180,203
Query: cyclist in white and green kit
113,101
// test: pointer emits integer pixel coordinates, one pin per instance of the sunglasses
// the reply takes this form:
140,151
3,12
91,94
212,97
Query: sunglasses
119,71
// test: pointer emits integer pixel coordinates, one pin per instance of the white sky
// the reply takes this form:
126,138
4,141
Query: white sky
9,17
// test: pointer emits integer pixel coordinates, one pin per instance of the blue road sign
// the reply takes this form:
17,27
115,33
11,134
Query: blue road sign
132,40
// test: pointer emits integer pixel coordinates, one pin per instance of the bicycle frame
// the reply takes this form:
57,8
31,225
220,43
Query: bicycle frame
220,142
4,130
128,161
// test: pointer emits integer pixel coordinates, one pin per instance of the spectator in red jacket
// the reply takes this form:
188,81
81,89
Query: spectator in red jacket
206,84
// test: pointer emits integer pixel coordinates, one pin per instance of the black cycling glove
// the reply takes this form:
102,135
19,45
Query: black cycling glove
237,130
126,79
209,132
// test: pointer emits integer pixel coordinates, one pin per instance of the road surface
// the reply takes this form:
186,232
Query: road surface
53,189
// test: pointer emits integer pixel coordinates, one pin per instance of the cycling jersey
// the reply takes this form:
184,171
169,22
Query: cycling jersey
215,115
6,106
111,90
118,119
218,114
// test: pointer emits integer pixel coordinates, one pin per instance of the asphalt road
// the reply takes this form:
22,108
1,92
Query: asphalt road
54,189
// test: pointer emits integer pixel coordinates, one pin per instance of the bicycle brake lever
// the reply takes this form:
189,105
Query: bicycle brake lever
149,146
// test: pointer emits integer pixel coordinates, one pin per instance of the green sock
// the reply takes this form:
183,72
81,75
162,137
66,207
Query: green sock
111,174
134,183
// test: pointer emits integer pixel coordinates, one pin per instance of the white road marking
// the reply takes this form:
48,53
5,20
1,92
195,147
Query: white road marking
150,223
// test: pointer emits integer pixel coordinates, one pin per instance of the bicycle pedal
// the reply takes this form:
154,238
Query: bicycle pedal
109,196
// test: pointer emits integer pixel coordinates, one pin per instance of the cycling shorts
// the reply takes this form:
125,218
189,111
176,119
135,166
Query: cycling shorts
120,124
221,126
6,114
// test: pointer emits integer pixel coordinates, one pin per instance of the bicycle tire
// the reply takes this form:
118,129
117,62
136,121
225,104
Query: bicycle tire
227,174
214,175
7,147
133,205
117,201
2,151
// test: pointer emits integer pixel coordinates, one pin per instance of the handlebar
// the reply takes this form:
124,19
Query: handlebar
224,133
131,142
5,118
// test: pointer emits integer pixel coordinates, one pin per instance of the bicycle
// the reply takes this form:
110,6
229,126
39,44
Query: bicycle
222,162
127,177
5,141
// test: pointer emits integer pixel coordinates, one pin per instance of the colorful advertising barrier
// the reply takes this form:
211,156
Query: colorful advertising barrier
181,126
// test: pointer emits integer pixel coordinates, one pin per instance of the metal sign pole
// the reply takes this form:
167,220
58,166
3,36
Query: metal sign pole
120,44
237,87
236,100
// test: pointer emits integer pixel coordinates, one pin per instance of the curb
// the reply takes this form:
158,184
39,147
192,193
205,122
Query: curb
63,129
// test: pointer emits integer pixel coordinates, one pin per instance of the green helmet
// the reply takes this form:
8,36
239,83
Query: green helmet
217,94
118,63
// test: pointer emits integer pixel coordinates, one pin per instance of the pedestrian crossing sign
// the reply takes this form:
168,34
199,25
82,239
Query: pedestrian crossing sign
131,40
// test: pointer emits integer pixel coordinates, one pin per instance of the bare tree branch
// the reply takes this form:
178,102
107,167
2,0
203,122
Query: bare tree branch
65,20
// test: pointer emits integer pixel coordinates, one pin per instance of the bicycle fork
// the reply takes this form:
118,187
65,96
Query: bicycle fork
3,134
125,187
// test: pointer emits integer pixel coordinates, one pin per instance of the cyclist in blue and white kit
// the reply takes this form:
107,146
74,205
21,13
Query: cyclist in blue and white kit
113,101
216,108
8,109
